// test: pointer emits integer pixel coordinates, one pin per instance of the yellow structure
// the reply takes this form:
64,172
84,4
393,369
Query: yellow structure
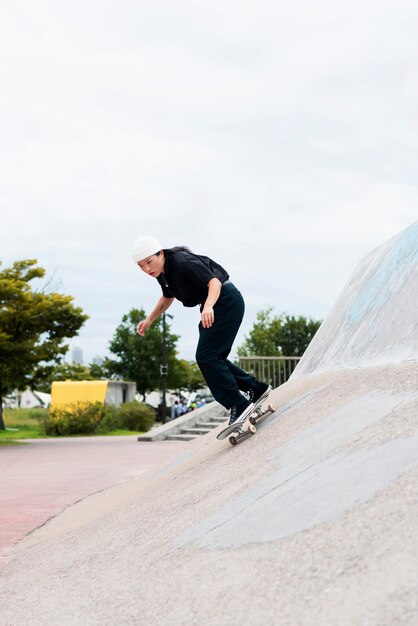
67,392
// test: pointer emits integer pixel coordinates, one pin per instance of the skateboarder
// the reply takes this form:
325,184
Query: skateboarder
197,280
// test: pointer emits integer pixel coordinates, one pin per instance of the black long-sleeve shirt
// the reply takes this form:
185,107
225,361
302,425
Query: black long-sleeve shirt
186,276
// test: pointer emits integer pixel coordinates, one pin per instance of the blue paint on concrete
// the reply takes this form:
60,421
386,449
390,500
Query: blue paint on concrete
389,277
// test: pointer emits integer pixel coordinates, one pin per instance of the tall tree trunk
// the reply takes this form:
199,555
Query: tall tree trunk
2,424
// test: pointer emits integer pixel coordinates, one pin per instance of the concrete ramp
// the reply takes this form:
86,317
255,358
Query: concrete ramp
311,521
375,320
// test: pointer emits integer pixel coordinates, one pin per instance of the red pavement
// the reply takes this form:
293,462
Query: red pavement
40,479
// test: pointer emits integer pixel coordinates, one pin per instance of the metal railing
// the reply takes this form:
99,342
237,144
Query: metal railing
274,370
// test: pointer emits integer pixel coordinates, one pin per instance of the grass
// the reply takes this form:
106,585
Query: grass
118,433
26,423
11,442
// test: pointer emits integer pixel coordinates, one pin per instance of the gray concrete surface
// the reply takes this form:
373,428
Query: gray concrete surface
311,521
42,477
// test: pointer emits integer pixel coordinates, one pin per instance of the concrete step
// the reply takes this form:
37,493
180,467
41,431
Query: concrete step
180,437
207,417
208,425
195,430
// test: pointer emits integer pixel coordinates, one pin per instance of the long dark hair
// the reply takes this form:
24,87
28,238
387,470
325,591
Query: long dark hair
179,249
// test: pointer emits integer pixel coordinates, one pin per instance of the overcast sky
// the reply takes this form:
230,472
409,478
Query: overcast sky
279,138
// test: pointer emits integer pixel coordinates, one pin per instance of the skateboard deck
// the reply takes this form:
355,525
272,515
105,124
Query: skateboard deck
241,428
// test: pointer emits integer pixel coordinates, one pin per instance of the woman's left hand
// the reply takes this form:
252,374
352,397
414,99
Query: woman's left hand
207,317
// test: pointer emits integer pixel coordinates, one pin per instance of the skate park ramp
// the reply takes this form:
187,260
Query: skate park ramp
311,521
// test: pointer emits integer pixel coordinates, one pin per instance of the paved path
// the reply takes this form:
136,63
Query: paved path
39,479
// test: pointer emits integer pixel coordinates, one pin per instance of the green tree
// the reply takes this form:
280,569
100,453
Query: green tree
73,371
139,358
65,371
33,327
283,335
264,337
296,334
98,371
185,376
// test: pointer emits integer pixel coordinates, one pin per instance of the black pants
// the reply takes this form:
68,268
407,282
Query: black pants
224,379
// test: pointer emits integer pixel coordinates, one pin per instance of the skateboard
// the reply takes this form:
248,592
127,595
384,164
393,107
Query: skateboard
239,429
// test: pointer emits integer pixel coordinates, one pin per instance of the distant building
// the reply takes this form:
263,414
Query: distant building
98,360
77,356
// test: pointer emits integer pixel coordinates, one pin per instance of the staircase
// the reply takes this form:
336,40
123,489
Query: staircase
201,428
189,426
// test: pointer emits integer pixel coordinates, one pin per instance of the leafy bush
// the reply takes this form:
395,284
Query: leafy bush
88,418
135,416
111,419
82,418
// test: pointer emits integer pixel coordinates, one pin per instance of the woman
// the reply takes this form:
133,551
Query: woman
197,280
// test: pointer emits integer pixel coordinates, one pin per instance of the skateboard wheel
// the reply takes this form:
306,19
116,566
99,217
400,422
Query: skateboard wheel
252,420
233,441
252,429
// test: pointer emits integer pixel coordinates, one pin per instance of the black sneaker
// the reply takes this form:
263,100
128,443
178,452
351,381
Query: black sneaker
260,392
238,410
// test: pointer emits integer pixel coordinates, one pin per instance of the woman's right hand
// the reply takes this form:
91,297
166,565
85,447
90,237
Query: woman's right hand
143,326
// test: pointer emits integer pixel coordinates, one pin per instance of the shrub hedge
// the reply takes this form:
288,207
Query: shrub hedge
88,418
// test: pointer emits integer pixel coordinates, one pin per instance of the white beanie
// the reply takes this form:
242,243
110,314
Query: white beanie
145,247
